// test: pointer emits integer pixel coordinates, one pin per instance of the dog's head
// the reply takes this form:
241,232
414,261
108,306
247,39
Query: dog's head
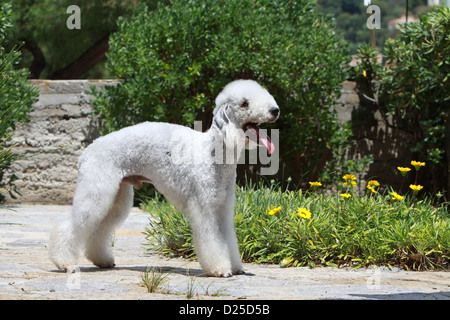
244,105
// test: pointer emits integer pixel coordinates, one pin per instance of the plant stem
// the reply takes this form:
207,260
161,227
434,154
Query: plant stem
403,181
284,227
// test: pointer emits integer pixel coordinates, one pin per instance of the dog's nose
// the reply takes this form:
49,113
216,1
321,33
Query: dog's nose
274,111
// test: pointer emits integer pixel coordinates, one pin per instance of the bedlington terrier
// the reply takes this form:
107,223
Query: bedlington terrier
195,171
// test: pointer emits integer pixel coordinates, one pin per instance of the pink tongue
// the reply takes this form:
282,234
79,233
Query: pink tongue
263,139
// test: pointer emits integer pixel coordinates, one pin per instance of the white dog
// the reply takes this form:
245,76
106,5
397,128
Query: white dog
203,189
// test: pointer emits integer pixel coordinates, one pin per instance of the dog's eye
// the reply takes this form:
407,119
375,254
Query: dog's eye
244,104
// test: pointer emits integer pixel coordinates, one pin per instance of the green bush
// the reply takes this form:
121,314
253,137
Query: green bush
354,231
175,59
414,87
16,98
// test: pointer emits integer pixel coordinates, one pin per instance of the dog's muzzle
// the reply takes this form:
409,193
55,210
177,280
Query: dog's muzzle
253,133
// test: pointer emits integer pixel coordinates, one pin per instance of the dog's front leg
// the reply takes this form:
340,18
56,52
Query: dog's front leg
211,247
227,229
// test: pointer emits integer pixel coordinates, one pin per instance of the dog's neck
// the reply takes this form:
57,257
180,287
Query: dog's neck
227,143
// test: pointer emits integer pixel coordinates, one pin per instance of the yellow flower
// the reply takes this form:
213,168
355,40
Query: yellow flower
345,195
304,213
403,170
416,188
417,164
396,196
364,73
315,184
349,177
371,189
274,211
353,183
286,262
372,183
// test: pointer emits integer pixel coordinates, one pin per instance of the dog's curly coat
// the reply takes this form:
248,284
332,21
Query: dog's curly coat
156,153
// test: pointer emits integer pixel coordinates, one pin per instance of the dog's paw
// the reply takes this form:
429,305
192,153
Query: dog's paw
220,274
103,260
68,268
72,269
225,274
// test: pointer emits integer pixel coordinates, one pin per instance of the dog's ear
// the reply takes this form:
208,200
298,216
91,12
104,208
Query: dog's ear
220,116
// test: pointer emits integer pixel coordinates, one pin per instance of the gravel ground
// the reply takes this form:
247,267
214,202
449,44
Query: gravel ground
27,273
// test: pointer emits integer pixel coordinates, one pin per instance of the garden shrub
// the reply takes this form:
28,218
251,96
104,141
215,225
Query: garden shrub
295,228
414,88
174,60
16,98
417,85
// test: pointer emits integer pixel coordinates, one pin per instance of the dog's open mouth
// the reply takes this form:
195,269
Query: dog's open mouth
260,136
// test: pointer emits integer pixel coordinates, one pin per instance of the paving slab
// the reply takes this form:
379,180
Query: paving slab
27,273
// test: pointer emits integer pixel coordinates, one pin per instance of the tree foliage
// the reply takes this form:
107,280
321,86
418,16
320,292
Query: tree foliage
16,98
48,45
414,87
351,17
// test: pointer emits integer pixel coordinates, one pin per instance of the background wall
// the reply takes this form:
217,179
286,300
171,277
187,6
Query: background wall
61,126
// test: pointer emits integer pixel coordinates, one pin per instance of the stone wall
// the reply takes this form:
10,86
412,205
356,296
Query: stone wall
62,125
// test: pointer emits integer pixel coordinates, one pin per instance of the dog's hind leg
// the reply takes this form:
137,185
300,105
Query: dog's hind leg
63,248
99,244
94,197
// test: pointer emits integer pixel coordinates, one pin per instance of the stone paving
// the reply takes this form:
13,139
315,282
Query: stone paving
27,273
